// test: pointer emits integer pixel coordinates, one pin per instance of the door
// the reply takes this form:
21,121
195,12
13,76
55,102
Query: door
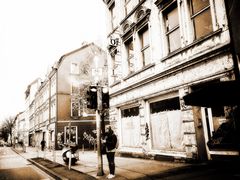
207,127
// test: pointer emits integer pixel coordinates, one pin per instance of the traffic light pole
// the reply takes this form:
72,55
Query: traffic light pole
98,127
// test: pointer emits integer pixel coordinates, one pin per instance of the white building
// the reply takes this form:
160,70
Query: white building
30,109
159,51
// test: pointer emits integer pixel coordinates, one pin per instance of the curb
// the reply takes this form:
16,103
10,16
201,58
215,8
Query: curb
48,171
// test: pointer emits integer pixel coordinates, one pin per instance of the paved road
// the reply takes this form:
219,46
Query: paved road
15,167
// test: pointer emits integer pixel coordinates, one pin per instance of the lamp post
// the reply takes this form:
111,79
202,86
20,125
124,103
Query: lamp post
98,126
96,73
69,145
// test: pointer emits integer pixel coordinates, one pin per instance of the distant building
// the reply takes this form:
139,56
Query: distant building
60,101
30,109
19,130
160,51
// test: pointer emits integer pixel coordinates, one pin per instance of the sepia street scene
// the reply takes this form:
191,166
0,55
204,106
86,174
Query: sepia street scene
120,89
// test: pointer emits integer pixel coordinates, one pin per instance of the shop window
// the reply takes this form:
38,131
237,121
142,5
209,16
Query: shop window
201,17
145,46
172,28
70,136
130,55
130,112
165,105
130,122
166,125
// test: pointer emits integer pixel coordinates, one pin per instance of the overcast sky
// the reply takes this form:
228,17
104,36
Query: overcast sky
36,33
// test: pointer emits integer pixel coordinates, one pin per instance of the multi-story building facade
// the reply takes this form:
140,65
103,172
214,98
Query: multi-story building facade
159,51
30,109
59,112
20,130
41,114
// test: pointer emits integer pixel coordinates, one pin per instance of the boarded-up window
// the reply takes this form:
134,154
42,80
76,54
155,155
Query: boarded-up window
166,125
130,127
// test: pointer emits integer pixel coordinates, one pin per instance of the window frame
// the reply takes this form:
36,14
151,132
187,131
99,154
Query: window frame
74,102
112,10
129,10
130,58
167,10
197,14
144,47
65,133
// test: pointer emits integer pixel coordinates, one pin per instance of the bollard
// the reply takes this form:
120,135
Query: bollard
70,161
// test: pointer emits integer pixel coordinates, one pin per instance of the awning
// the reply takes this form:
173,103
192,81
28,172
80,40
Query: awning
218,93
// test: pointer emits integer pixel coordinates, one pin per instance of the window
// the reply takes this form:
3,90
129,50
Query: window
113,15
145,47
75,109
172,28
165,105
130,4
74,68
70,136
130,55
130,112
201,17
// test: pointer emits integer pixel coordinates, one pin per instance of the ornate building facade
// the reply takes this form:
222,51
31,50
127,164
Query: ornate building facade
160,51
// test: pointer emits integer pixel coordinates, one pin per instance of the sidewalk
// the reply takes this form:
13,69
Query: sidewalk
126,168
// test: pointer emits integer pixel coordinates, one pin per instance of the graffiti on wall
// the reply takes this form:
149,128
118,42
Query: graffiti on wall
88,137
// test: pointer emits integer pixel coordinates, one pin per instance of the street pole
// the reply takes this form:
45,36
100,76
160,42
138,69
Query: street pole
69,145
98,127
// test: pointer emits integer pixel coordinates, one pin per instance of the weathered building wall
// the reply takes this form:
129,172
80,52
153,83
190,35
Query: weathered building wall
147,109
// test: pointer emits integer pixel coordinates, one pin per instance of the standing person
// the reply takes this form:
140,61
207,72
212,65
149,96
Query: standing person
110,140
43,143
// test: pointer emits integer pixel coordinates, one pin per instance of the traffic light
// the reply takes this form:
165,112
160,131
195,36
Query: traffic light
92,97
105,100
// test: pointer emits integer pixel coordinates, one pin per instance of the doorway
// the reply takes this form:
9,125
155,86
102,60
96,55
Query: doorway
212,119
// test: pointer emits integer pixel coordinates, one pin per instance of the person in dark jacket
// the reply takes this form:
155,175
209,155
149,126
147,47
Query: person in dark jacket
43,143
110,140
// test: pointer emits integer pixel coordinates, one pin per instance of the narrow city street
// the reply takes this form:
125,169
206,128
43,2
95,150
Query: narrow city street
13,166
